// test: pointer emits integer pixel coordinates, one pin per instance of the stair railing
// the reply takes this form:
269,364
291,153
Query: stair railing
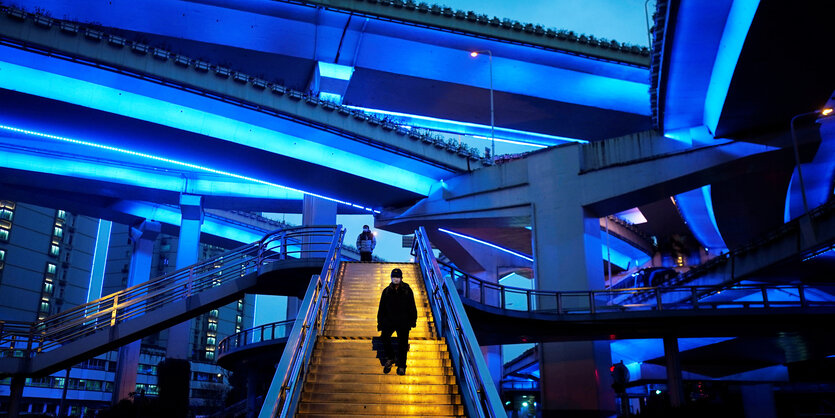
479,392
27,340
282,398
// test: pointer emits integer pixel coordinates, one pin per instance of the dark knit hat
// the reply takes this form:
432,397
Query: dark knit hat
397,273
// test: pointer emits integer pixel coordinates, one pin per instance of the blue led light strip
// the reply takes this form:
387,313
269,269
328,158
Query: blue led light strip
180,163
520,255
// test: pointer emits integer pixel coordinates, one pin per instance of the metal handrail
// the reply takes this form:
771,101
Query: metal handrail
757,296
261,333
479,391
113,309
285,390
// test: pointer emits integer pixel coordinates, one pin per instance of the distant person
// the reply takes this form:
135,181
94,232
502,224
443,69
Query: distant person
397,313
366,242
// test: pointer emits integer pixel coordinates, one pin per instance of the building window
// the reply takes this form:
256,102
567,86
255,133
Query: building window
44,307
213,325
2,255
6,214
239,321
61,214
210,355
51,268
213,313
210,340
54,250
240,305
58,232
47,288
4,234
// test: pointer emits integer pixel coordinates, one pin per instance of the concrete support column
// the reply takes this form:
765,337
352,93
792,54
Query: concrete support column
188,249
253,376
317,211
758,401
175,371
675,384
143,237
575,378
493,358
16,395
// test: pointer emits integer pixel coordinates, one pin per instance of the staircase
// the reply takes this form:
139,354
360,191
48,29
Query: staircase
346,371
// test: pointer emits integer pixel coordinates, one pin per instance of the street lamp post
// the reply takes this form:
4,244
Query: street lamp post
492,117
824,112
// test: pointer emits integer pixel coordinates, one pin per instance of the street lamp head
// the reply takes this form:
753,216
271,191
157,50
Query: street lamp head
827,111
474,54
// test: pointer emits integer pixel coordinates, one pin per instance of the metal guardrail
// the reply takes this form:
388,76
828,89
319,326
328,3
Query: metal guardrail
255,335
285,390
478,390
762,296
29,339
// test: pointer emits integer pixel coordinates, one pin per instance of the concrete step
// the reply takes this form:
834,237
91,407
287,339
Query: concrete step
376,362
379,377
380,409
373,416
376,355
328,387
360,370
381,397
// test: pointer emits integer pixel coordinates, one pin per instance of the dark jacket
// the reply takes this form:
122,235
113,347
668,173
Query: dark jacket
397,308
366,241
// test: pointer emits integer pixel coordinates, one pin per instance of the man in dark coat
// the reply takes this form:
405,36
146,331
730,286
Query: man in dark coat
397,313
366,241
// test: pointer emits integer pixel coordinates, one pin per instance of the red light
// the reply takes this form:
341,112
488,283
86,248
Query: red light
612,369
613,337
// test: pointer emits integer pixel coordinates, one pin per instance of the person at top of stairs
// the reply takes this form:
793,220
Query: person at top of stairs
397,313
366,241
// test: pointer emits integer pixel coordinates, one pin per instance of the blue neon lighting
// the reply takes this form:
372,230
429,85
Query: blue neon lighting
697,209
454,126
78,84
100,251
511,252
733,38
178,163
339,72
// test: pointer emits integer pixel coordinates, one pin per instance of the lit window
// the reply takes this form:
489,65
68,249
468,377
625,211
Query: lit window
6,214
240,305
679,261
47,288
237,329
50,268
213,313
4,235
2,255
212,326
61,214
44,307
7,204
210,355
211,340
54,250
58,232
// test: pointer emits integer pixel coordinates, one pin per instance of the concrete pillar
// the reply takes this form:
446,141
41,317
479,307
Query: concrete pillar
16,395
758,401
493,358
252,380
317,211
675,386
143,237
575,378
188,249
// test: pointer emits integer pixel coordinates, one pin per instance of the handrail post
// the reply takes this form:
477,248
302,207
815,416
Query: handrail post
559,303
591,301
765,296
283,252
502,297
694,297
190,281
802,295
481,293
113,312
658,298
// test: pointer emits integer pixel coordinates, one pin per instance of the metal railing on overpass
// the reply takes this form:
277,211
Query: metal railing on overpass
26,340
256,335
763,296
